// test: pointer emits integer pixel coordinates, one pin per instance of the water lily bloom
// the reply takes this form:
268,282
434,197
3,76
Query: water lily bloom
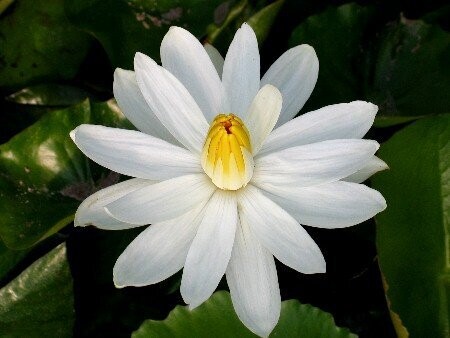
224,174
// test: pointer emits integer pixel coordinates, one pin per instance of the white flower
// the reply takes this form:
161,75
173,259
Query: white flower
224,194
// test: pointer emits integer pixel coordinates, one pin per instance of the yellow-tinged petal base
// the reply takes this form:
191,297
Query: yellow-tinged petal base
227,154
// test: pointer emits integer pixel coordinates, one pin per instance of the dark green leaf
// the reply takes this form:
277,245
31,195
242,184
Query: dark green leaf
105,312
37,43
4,4
228,19
262,21
8,259
222,31
39,302
49,95
216,318
411,76
439,17
44,176
337,36
126,27
401,67
412,236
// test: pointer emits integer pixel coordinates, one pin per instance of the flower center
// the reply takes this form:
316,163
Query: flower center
226,155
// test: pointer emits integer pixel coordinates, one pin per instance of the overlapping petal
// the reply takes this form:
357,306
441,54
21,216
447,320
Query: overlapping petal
162,201
313,164
184,56
241,74
253,282
133,153
92,212
133,105
337,121
374,165
210,251
216,58
295,75
171,102
331,205
262,115
158,252
280,233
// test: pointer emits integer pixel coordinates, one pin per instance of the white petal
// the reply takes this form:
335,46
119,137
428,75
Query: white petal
171,103
215,57
210,251
331,205
184,56
241,72
373,166
158,252
133,105
295,75
313,164
253,282
162,201
280,233
134,153
262,115
91,211
338,121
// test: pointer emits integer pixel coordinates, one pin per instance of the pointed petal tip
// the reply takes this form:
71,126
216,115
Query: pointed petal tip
374,144
262,329
72,134
77,223
177,30
306,47
383,203
118,72
382,165
117,286
140,59
192,306
247,29
173,34
380,201
189,302
119,78
321,266
307,51
117,283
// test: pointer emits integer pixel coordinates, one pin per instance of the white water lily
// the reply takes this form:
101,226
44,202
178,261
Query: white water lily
223,173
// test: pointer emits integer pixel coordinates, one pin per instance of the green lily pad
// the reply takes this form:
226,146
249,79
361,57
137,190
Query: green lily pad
8,259
38,44
411,76
45,177
412,234
126,27
401,66
50,94
216,318
39,302
337,36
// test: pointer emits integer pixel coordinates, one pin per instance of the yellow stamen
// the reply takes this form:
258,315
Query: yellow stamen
226,156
